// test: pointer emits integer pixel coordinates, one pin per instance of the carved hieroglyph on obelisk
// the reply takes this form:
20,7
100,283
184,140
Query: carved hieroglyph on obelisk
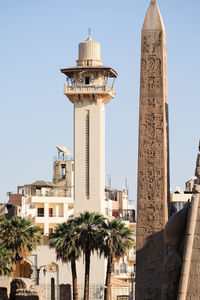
153,160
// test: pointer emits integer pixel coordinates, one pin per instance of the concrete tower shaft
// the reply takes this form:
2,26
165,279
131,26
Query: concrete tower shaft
88,89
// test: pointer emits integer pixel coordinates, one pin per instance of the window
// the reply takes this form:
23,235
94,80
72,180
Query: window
63,171
87,80
123,268
40,212
50,230
50,212
70,206
123,297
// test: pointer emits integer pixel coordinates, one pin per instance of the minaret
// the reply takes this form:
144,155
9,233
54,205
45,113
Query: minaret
87,88
153,160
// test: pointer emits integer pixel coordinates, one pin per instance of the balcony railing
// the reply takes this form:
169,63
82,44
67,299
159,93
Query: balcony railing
56,216
93,89
51,215
52,193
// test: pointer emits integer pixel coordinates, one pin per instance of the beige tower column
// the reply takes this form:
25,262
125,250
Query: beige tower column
153,166
88,89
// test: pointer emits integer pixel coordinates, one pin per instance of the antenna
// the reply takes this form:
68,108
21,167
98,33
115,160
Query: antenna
109,181
126,184
8,194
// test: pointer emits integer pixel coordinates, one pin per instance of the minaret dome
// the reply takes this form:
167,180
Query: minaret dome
89,53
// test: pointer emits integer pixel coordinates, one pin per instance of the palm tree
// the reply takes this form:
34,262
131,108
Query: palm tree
2,220
5,260
118,239
90,227
20,237
66,243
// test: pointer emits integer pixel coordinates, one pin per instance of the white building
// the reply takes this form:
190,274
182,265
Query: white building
179,197
47,204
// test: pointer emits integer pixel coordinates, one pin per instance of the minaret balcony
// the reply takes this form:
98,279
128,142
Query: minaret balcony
89,89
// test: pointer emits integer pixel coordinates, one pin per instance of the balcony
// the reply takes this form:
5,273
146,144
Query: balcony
125,214
89,89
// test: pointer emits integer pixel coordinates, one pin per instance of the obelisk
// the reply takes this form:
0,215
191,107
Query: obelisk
153,160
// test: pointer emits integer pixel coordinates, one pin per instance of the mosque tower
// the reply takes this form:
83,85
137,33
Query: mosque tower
87,88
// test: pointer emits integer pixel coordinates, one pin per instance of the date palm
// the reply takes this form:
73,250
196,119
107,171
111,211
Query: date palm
2,221
66,243
118,238
5,260
90,229
20,237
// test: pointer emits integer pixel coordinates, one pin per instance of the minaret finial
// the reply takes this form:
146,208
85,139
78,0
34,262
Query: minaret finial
197,171
89,32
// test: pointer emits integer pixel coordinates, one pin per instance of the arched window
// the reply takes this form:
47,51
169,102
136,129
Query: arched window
123,268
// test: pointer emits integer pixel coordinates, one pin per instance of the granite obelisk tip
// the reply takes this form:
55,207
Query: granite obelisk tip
153,19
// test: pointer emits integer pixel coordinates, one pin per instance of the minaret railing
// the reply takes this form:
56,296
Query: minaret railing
89,89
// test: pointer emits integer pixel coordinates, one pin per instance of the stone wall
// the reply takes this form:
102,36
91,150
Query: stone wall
29,289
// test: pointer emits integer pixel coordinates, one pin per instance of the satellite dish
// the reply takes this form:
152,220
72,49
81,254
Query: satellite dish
64,150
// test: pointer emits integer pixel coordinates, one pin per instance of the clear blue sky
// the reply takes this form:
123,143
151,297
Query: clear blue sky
40,37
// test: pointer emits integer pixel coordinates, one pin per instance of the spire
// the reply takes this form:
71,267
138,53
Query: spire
153,19
89,34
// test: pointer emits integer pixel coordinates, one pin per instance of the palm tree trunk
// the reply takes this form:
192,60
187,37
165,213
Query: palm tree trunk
87,275
74,280
108,278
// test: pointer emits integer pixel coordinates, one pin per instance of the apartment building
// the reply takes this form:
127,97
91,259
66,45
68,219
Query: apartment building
45,203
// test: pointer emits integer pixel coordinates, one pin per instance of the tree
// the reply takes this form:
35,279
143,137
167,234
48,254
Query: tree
90,226
5,260
20,237
5,255
66,243
118,239
2,220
